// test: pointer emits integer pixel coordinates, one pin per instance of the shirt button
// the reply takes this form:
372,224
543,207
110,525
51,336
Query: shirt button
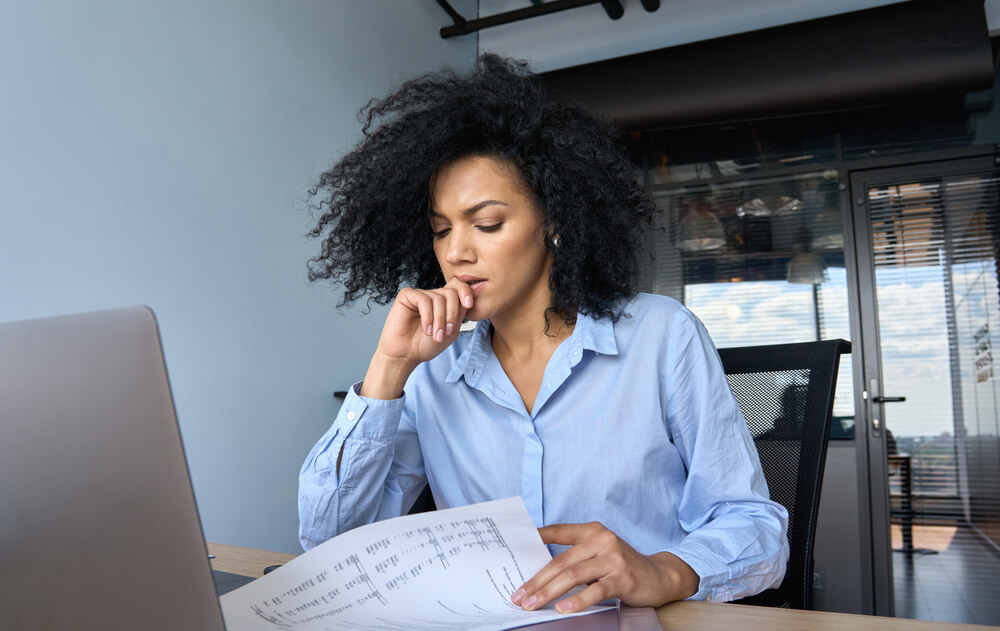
350,416
708,598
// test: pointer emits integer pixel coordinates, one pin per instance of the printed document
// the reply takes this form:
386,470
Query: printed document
436,571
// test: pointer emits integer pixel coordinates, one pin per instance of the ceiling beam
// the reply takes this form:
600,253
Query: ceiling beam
461,26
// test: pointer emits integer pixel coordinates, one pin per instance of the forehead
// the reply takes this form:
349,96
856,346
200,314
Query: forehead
465,182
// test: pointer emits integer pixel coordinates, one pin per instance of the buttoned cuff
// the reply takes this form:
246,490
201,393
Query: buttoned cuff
381,416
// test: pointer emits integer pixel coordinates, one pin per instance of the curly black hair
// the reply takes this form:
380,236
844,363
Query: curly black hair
373,203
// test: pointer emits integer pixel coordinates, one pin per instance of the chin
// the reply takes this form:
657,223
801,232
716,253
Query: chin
478,313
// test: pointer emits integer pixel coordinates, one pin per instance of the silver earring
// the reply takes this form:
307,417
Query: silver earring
555,241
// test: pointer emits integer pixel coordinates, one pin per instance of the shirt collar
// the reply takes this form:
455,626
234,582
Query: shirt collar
591,334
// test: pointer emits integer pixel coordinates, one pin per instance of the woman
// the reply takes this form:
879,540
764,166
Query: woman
607,411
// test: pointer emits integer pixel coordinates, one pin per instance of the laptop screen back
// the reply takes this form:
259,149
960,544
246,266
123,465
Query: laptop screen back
98,524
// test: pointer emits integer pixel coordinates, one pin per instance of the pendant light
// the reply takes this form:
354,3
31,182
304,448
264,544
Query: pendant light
806,268
700,230
771,205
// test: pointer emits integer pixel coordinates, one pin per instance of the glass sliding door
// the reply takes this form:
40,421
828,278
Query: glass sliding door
928,243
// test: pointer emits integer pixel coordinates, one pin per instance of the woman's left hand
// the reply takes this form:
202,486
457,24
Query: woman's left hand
609,567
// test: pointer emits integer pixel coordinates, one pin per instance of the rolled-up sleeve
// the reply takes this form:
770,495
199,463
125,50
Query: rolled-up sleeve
371,433
736,538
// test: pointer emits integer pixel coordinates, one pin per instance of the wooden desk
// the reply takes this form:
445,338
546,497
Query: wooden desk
245,561
679,616
699,616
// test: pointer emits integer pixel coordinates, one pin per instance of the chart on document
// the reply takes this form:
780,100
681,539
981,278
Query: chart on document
447,569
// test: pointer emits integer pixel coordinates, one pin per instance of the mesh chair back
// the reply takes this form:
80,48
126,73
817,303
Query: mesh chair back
786,393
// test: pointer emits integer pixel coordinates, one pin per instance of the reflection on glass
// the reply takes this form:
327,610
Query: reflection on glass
703,153
768,206
828,230
806,268
700,230
743,260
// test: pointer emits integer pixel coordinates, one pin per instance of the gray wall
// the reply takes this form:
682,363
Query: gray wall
838,548
159,152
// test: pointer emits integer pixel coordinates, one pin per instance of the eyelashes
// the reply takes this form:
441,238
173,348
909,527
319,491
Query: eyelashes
488,229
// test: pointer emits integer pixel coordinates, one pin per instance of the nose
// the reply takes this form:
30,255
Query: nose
460,247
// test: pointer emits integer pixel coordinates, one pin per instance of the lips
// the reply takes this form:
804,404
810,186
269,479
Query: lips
475,283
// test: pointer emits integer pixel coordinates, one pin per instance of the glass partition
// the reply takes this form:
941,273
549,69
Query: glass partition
759,261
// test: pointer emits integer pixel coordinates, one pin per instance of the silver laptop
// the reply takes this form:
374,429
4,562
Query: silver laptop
98,525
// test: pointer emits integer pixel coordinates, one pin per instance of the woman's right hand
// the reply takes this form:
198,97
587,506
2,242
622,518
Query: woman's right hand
420,325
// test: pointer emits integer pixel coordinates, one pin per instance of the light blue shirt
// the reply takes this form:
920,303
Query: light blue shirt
634,426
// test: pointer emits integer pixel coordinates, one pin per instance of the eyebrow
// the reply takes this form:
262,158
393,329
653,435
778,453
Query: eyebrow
471,210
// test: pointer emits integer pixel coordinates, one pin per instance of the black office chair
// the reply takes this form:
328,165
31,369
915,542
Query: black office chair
786,393
424,503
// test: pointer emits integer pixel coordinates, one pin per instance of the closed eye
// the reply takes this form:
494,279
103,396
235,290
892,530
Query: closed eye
443,232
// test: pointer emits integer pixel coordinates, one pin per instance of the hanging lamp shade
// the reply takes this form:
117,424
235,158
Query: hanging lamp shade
806,268
828,230
771,205
700,230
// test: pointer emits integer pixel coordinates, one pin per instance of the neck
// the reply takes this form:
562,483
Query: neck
526,336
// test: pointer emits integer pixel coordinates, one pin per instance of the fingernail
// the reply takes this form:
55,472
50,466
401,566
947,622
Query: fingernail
429,329
440,335
449,328
517,596
563,606
467,301
531,601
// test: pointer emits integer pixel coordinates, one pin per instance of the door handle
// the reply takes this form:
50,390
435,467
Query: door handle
888,399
